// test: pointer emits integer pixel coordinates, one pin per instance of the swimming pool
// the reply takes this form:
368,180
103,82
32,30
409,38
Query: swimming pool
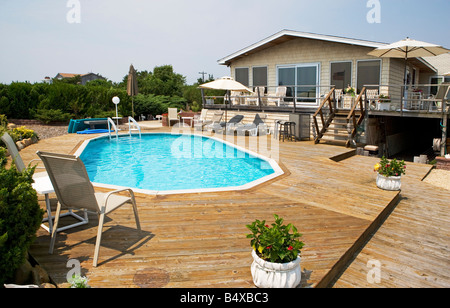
165,163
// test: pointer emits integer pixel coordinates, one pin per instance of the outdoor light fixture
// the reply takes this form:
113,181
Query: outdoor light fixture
116,102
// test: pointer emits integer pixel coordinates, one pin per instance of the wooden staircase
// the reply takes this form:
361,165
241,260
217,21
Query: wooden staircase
338,126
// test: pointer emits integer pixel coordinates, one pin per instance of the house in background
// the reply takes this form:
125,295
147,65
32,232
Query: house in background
308,67
84,77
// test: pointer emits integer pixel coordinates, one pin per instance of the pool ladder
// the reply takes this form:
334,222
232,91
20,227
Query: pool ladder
111,124
133,126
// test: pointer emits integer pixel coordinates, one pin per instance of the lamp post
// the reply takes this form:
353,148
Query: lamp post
116,102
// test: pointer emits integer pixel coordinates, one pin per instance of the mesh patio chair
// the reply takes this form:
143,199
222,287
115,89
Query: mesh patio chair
74,190
40,184
14,152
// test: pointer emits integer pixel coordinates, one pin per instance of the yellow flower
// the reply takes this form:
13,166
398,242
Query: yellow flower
376,167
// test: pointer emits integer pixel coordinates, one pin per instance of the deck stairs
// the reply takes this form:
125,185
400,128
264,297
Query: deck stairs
339,127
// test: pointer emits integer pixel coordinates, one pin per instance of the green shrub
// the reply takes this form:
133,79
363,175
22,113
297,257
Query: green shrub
20,218
24,133
52,115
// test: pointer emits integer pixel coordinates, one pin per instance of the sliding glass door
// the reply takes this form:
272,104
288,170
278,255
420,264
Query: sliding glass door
301,81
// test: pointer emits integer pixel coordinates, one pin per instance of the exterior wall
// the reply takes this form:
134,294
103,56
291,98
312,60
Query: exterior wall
302,51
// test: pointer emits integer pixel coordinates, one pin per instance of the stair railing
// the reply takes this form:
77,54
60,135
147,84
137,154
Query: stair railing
356,116
326,119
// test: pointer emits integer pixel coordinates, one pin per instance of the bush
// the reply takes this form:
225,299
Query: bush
24,133
52,115
20,218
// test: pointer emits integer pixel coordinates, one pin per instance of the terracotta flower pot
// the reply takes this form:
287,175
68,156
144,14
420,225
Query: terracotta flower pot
389,183
275,275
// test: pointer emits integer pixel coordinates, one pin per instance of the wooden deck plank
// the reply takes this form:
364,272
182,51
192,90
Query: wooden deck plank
413,243
198,240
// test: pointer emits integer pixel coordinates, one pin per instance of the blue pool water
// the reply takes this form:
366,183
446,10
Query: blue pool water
164,162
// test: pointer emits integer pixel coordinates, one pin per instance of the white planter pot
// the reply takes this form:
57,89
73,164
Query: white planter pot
389,183
275,275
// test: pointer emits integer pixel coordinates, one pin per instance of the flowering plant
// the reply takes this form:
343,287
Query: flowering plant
350,91
390,168
276,243
384,98
78,282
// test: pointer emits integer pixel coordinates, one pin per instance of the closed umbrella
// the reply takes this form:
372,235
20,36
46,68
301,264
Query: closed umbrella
225,83
132,87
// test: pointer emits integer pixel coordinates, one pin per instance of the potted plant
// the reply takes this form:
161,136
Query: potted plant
350,91
390,173
276,254
384,102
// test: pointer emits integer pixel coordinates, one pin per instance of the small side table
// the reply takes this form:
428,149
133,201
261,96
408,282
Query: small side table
43,186
191,119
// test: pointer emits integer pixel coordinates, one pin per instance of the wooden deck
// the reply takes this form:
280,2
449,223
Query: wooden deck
198,240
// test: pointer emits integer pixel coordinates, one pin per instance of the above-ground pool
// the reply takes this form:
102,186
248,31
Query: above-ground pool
172,163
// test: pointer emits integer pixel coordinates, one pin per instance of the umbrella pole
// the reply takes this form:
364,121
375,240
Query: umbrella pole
405,80
226,104
132,107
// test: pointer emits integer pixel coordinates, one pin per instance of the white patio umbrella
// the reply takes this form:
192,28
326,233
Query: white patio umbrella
225,83
407,49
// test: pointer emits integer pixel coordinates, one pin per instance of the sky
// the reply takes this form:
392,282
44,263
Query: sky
41,38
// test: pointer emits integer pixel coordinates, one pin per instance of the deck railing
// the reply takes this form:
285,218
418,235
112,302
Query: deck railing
327,112
356,115
272,97
381,98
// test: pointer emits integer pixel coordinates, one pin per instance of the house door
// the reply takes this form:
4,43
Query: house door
301,81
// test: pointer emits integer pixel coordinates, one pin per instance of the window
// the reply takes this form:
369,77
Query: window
435,81
242,75
368,73
260,76
301,81
341,74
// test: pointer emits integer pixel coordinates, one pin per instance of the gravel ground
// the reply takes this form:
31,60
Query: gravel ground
439,178
48,131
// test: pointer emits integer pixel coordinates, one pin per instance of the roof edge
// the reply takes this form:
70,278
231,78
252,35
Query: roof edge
330,38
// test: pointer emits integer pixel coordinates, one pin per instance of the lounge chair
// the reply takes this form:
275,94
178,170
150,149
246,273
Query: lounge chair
172,115
278,99
217,117
228,126
75,191
258,127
